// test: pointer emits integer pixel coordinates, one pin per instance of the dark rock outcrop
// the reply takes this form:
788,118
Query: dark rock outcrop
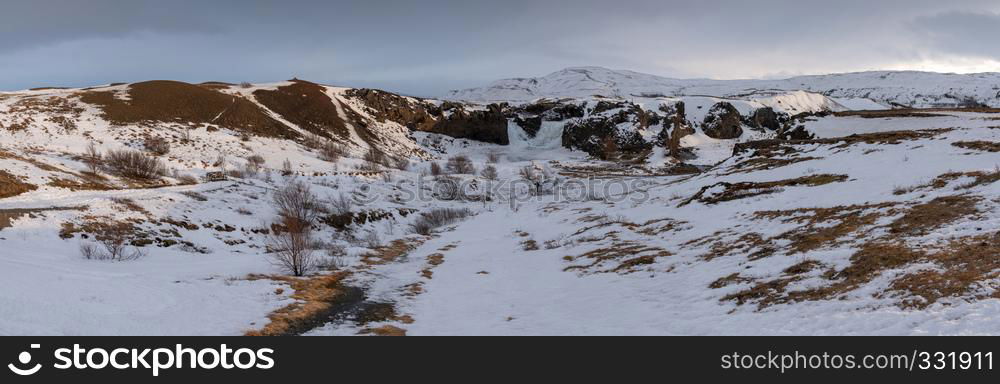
599,135
766,118
798,133
488,126
723,122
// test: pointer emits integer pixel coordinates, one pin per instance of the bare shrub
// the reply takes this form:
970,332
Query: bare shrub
134,165
286,168
493,157
296,204
157,146
436,169
490,173
460,165
291,242
372,240
400,163
89,251
341,205
437,218
330,151
292,248
221,162
335,258
253,165
93,158
112,243
246,85
373,161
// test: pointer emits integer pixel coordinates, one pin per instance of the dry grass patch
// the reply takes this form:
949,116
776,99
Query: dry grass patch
176,102
824,227
625,257
317,298
11,185
306,105
735,191
923,218
985,146
391,252
965,267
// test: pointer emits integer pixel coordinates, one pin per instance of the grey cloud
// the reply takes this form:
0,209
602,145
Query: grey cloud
427,47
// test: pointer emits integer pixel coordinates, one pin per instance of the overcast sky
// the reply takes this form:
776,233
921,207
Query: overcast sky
426,47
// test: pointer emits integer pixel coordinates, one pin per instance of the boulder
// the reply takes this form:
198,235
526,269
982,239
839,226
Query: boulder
766,118
723,122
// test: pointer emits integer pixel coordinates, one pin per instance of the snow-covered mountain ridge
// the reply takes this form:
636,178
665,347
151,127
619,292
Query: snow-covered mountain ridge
889,88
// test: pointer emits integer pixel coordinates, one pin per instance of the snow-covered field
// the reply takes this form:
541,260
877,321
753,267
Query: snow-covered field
771,240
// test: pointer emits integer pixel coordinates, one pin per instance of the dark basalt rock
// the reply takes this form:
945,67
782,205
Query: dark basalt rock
798,133
530,125
766,118
590,136
488,126
723,122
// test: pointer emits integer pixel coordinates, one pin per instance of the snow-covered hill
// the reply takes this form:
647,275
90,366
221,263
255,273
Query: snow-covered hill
699,213
864,90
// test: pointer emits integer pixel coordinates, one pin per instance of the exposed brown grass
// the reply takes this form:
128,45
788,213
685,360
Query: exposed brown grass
889,113
624,256
177,102
316,296
391,252
307,105
736,191
964,266
11,185
923,218
985,146
824,227
787,147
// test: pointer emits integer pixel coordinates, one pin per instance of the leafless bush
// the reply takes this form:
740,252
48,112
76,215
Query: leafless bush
134,165
460,165
296,204
291,248
157,146
89,251
112,243
372,240
335,258
253,165
400,163
437,218
221,161
236,173
291,243
436,169
490,173
373,161
93,158
330,151
187,180
493,157
286,168
341,205
246,85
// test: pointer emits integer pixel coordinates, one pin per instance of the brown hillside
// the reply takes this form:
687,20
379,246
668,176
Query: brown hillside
305,104
173,101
